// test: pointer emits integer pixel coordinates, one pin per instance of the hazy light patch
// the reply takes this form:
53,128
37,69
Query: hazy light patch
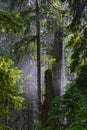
31,2
29,68
30,71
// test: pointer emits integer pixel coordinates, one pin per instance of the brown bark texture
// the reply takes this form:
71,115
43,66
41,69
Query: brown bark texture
58,55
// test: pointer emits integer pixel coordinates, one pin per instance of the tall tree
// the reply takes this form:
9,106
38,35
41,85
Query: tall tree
38,58
58,55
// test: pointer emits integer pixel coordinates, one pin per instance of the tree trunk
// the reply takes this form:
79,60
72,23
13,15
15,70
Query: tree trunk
47,97
12,5
38,59
20,122
58,55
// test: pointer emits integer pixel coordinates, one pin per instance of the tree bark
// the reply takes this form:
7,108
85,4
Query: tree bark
38,59
47,97
58,55
12,5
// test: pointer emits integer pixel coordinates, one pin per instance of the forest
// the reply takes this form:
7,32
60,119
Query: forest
43,65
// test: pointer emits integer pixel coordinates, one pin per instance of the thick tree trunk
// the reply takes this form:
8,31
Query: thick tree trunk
38,59
48,97
58,55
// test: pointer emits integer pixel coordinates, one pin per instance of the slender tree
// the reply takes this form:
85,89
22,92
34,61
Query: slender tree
38,58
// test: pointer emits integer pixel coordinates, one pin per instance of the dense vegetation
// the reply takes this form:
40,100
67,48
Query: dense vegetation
38,29
9,91
68,112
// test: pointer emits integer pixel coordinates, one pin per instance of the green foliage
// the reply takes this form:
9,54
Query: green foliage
9,91
81,79
47,61
24,47
69,111
37,125
11,22
2,127
77,42
77,31
75,7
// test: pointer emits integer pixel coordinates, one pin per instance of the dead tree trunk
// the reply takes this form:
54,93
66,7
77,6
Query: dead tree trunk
48,97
